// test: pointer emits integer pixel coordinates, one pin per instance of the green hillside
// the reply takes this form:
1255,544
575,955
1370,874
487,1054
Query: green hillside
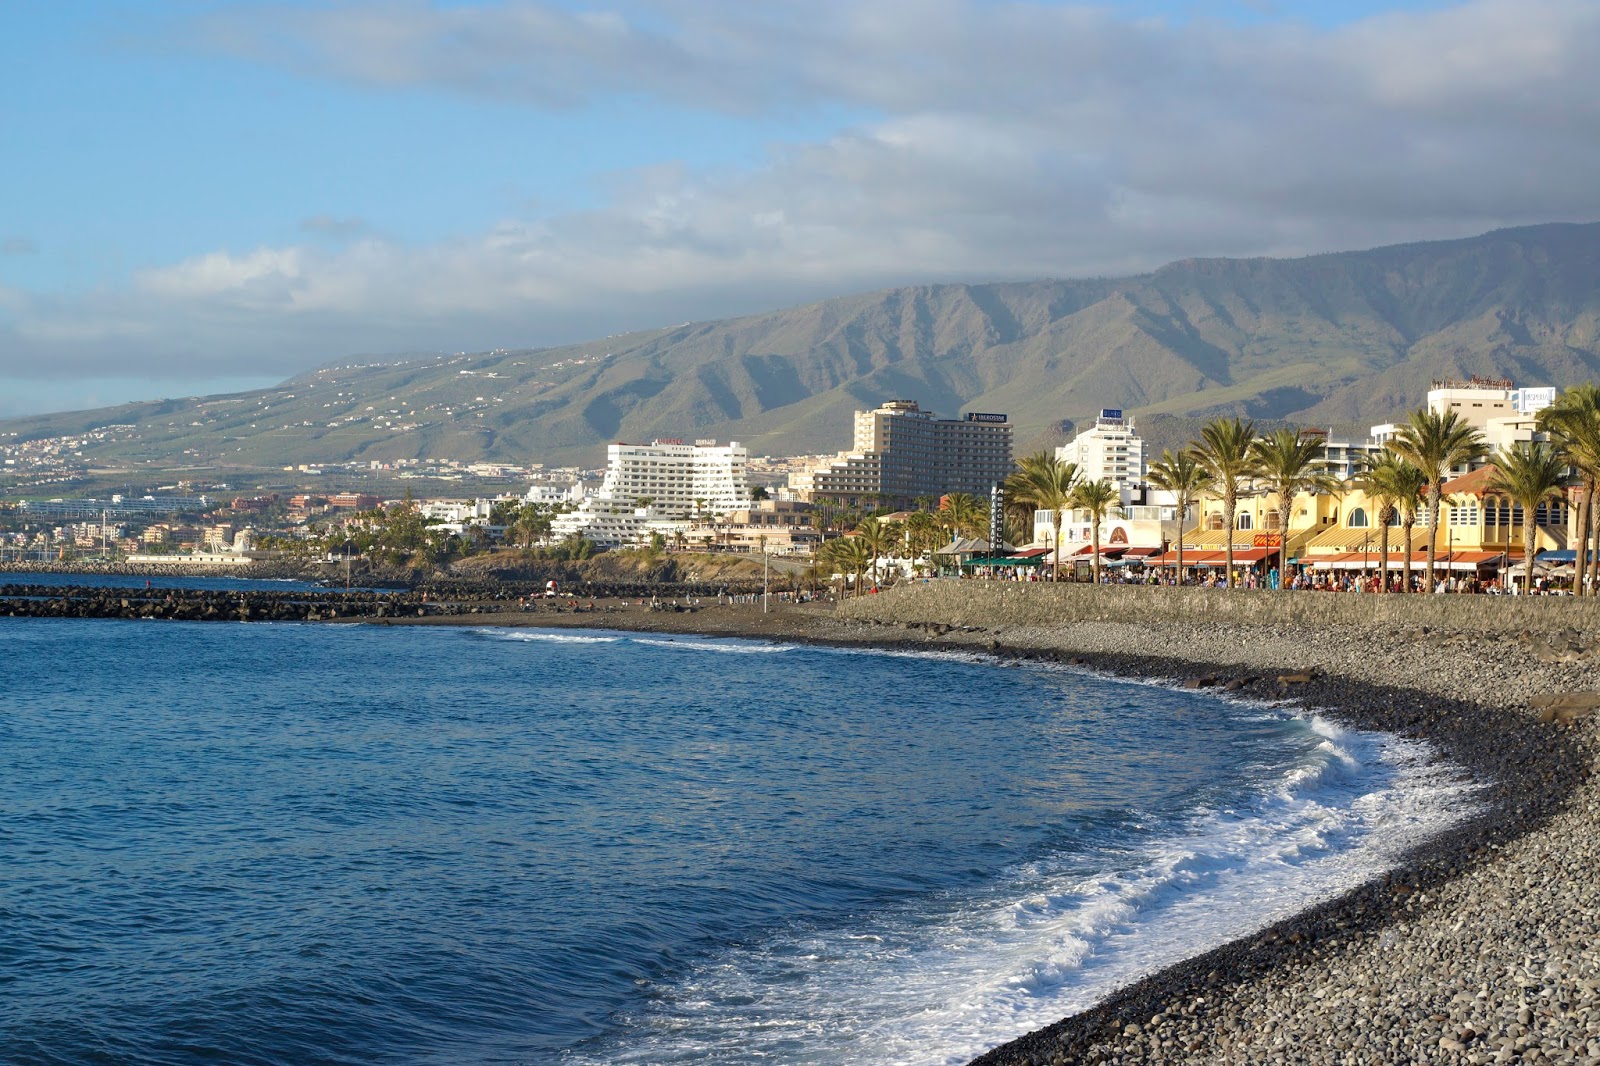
1344,339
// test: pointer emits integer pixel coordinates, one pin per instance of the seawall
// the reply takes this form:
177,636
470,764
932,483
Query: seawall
989,603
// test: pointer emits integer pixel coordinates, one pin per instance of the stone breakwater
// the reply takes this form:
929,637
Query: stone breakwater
193,605
1482,945
196,605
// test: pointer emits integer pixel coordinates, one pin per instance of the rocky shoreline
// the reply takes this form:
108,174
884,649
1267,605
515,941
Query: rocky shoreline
1481,945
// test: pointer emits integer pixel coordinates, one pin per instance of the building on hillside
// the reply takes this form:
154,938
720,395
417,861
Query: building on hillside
659,487
548,494
901,453
1109,450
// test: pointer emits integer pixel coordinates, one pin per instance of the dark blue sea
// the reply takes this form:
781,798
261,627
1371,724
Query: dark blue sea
307,844
220,583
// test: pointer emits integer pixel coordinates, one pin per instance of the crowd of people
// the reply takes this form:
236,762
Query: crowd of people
1308,579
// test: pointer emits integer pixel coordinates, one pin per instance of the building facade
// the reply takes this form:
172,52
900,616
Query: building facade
1109,450
658,488
901,453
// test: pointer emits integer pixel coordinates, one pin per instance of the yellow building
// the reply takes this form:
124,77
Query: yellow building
1258,530
1479,532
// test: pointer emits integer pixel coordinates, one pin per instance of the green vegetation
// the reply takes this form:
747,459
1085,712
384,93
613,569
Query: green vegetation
1287,463
1043,482
1186,478
1530,474
1225,451
1435,443
1099,499
1573,423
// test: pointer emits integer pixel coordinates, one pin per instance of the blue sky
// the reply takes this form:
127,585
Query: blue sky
197,195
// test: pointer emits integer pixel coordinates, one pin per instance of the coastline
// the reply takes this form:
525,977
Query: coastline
1476,947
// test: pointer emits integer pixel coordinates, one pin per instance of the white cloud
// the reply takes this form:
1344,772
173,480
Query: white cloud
1007,140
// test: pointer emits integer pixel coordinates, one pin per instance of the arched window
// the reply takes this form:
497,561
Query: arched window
1358,518
1214,521
1246,521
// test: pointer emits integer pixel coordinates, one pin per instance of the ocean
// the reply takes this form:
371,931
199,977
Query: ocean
307,844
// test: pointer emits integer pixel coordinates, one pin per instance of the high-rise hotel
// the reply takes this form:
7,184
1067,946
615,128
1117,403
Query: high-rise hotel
902,453
658,487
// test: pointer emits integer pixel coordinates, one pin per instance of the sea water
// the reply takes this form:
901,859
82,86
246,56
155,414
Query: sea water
351,844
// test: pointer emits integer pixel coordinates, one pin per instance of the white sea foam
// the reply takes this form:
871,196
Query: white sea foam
963,973
547,637
731,647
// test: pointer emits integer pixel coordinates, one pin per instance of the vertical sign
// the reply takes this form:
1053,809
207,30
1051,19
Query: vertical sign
997,520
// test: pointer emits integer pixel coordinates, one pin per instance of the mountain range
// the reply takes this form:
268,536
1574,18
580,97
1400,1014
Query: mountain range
1342,339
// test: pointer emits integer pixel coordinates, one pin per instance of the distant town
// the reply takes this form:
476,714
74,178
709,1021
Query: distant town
911,494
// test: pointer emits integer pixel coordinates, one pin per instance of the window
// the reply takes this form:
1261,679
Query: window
1272,520
1358,518
1213,521
1246,521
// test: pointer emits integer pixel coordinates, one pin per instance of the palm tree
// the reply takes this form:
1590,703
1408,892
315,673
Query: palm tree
1044,483
1409,484
1288,462
1187,480
1436,442
852,556
1381,479
878,536
1100,500
1573,423
922,533
1223,450
1530,473
529,524
963,514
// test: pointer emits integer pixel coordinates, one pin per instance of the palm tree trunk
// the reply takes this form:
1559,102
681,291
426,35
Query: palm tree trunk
1095,543
1435,493
1585,516
1383,552
1183,516
1405,574
1527,550
1230,503
1055,575
1283,541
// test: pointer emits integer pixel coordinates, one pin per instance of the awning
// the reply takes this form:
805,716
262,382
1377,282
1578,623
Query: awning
1191,557
1106,551
1463,560
1011,560
1566,555
1241,557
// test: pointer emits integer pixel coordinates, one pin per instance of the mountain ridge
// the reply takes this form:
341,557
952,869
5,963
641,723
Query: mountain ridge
1338,338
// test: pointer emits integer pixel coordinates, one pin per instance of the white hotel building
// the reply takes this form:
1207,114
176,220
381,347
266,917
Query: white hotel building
1110,450
658,488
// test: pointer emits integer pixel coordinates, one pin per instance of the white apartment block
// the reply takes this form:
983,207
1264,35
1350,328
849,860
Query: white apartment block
1110,450
658,487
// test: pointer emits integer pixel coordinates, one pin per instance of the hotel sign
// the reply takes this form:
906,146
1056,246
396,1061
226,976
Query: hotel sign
984,416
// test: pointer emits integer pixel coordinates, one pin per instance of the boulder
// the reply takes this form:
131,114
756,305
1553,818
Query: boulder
1564,707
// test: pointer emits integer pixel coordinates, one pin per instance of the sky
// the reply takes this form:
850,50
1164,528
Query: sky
198,196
